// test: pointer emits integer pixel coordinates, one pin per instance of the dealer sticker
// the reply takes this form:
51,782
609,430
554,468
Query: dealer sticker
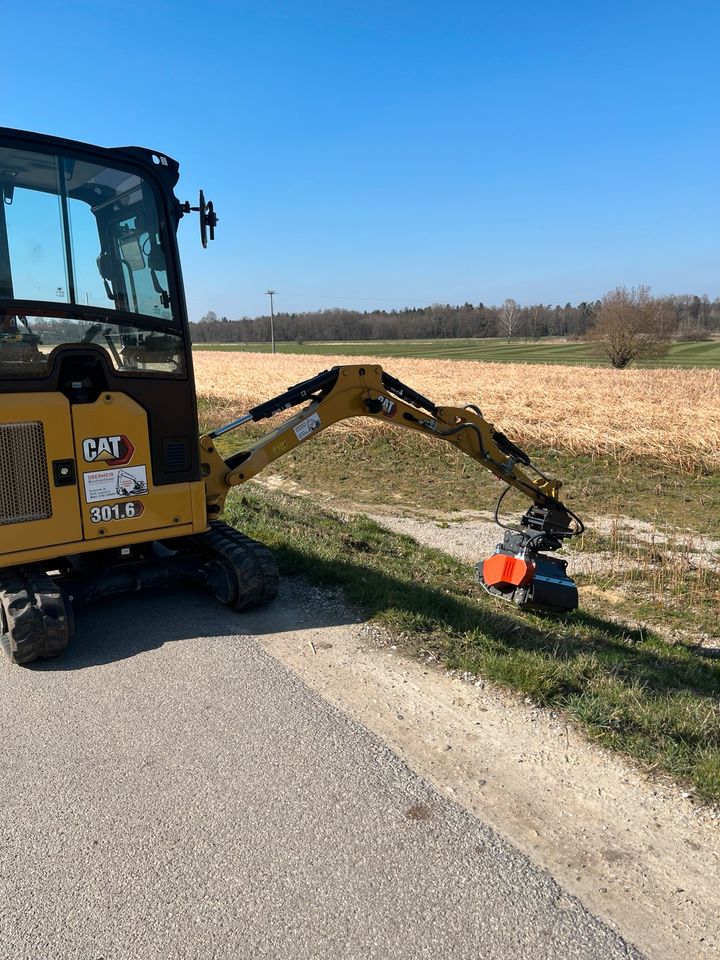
115,484
307,426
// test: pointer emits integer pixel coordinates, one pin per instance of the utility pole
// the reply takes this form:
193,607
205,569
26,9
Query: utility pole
271,294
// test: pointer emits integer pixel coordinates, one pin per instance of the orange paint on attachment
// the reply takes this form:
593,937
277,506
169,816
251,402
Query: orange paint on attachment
510,571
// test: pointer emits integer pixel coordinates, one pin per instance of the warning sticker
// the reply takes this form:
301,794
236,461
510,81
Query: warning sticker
305,428
115,484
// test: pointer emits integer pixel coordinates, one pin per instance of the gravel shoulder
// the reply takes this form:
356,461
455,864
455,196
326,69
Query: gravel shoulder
635,851
470,534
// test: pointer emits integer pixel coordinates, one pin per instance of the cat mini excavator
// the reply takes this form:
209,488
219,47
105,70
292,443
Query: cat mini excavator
104,485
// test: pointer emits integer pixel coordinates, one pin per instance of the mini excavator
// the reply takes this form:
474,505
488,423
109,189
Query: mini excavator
104,485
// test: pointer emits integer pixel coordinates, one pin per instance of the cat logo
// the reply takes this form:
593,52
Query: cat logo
389,407
112,451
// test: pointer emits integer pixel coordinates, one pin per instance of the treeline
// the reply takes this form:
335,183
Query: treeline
687,317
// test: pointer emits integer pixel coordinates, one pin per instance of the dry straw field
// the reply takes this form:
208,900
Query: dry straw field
671,415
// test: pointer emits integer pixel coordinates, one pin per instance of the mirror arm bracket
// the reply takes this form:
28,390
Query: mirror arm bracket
208,217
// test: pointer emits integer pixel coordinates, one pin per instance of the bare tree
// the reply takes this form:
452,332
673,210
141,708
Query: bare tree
508,319
630,325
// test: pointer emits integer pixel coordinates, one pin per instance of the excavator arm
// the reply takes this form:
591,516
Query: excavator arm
520,570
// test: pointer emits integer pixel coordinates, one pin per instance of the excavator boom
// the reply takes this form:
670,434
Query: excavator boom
520,570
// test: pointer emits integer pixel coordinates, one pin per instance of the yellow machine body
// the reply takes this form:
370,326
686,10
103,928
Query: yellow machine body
107,499
105,485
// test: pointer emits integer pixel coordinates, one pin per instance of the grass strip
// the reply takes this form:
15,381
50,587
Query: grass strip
631,690
686,355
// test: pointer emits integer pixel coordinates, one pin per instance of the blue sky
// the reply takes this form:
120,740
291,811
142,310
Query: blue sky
366,154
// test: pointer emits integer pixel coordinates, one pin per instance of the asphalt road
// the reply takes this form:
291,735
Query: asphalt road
170,791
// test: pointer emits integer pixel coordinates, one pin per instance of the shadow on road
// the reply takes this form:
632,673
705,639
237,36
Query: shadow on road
126,626
121,627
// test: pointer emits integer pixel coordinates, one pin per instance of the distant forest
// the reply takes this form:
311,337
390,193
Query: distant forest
687,317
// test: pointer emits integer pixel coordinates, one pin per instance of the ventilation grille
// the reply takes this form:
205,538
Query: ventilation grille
176,454
24,483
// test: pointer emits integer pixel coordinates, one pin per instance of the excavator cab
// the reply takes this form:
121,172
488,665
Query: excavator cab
89,273
104,483
88,254
98,421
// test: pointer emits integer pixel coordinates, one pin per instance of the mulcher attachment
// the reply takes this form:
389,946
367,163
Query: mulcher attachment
519,570
36,618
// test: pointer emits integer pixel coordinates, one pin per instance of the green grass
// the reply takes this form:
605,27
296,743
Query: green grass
684,355
645,584
631,690
661,585
647,690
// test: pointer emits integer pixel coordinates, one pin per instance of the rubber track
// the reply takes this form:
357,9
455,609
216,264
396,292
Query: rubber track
256,572
37,622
